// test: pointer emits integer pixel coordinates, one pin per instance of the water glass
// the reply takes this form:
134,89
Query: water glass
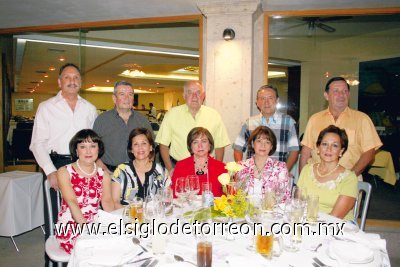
294,212
312,208
269,199
134,210
181,189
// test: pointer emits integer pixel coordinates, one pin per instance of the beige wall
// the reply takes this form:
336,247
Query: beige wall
102,100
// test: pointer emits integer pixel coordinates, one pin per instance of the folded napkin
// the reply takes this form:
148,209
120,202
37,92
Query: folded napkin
370,240
348,252
107,218
103,251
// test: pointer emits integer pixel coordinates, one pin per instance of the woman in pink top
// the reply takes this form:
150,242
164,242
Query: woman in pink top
260,172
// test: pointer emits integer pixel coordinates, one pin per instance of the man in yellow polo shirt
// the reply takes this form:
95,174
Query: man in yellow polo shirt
363,138
180,120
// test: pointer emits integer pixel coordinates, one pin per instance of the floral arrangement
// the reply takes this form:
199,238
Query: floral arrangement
232,206
226,178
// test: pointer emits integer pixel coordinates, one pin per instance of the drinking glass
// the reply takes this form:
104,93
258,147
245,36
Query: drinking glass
312,208
269,199
294,211
253,215
181,189
268,244
167,197
193,186
204,241
134,210
152,207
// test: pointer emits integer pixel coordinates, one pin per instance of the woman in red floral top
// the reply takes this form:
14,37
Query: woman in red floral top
260,172
83,185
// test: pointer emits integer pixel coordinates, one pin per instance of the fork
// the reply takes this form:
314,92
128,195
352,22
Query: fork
320,263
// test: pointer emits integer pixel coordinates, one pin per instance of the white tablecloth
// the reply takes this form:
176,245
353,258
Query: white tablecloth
21,202
232,253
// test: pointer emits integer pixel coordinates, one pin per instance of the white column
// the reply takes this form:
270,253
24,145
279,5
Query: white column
228,74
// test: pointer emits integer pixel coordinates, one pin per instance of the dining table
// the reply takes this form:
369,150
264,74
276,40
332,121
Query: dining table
351,247
21,202
383,167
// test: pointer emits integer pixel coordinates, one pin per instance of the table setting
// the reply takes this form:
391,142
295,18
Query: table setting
342,245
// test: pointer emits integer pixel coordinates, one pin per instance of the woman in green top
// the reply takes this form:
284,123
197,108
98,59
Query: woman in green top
335,185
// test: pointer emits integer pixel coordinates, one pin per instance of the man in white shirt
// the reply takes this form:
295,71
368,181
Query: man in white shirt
57,120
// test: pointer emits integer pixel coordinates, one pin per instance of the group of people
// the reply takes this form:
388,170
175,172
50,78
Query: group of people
115,161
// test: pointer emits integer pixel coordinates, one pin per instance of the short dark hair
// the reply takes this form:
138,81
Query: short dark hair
63,67
149,136
121,83
84,136
344,141
259,131
196,132
335,79
268,86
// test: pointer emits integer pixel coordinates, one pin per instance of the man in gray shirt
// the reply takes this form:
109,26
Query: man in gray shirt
114,125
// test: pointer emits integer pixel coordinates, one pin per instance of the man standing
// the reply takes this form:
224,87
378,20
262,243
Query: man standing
57,120
180,120
363,138
114,126
282,125
152,112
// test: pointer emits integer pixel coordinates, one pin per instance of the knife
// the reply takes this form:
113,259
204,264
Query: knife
146,263
154,263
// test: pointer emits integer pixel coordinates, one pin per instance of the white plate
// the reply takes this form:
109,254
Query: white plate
350,252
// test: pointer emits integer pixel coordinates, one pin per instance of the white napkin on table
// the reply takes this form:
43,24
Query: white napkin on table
372,241
241,260
103,251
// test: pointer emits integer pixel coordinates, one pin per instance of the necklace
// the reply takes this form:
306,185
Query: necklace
202,169
85,173
328,173
259,171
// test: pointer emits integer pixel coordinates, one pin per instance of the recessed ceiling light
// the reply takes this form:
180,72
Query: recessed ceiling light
46,75
52,69
108,81
41,81
61,59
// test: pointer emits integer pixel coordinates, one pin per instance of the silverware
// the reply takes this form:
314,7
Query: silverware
154,263
139,260
146,263
315,264
137,242
179,258
320,263
316,248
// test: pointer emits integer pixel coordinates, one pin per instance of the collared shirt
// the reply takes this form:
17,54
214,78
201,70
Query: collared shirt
273,176
114,133
179,121
55,125
283,127
359,128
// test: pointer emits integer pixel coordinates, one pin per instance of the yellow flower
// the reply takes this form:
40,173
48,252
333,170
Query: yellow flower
118,170
224,178
233,167
220,203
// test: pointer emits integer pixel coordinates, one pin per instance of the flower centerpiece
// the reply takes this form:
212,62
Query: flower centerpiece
231,206
227,178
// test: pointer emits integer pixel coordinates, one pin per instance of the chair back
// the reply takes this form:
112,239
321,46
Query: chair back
50,206
52,247
362,203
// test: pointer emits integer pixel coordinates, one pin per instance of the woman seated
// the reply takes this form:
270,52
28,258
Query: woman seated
260,172
141,176
83,185
200,144
335,186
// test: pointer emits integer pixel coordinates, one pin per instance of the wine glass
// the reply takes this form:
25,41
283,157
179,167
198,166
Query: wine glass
181,189
294,212
167,197
152,207
253,215
193,186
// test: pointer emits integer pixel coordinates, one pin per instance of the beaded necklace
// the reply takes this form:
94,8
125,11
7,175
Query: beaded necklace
85,173
328,173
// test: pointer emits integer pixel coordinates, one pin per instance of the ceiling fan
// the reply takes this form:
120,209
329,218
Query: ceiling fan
319,22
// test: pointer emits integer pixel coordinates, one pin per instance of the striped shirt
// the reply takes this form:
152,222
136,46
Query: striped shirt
283,127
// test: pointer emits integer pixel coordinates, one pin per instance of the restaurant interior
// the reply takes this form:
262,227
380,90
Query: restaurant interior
300,51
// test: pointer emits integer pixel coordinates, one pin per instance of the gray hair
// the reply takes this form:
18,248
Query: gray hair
268,86
121,83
